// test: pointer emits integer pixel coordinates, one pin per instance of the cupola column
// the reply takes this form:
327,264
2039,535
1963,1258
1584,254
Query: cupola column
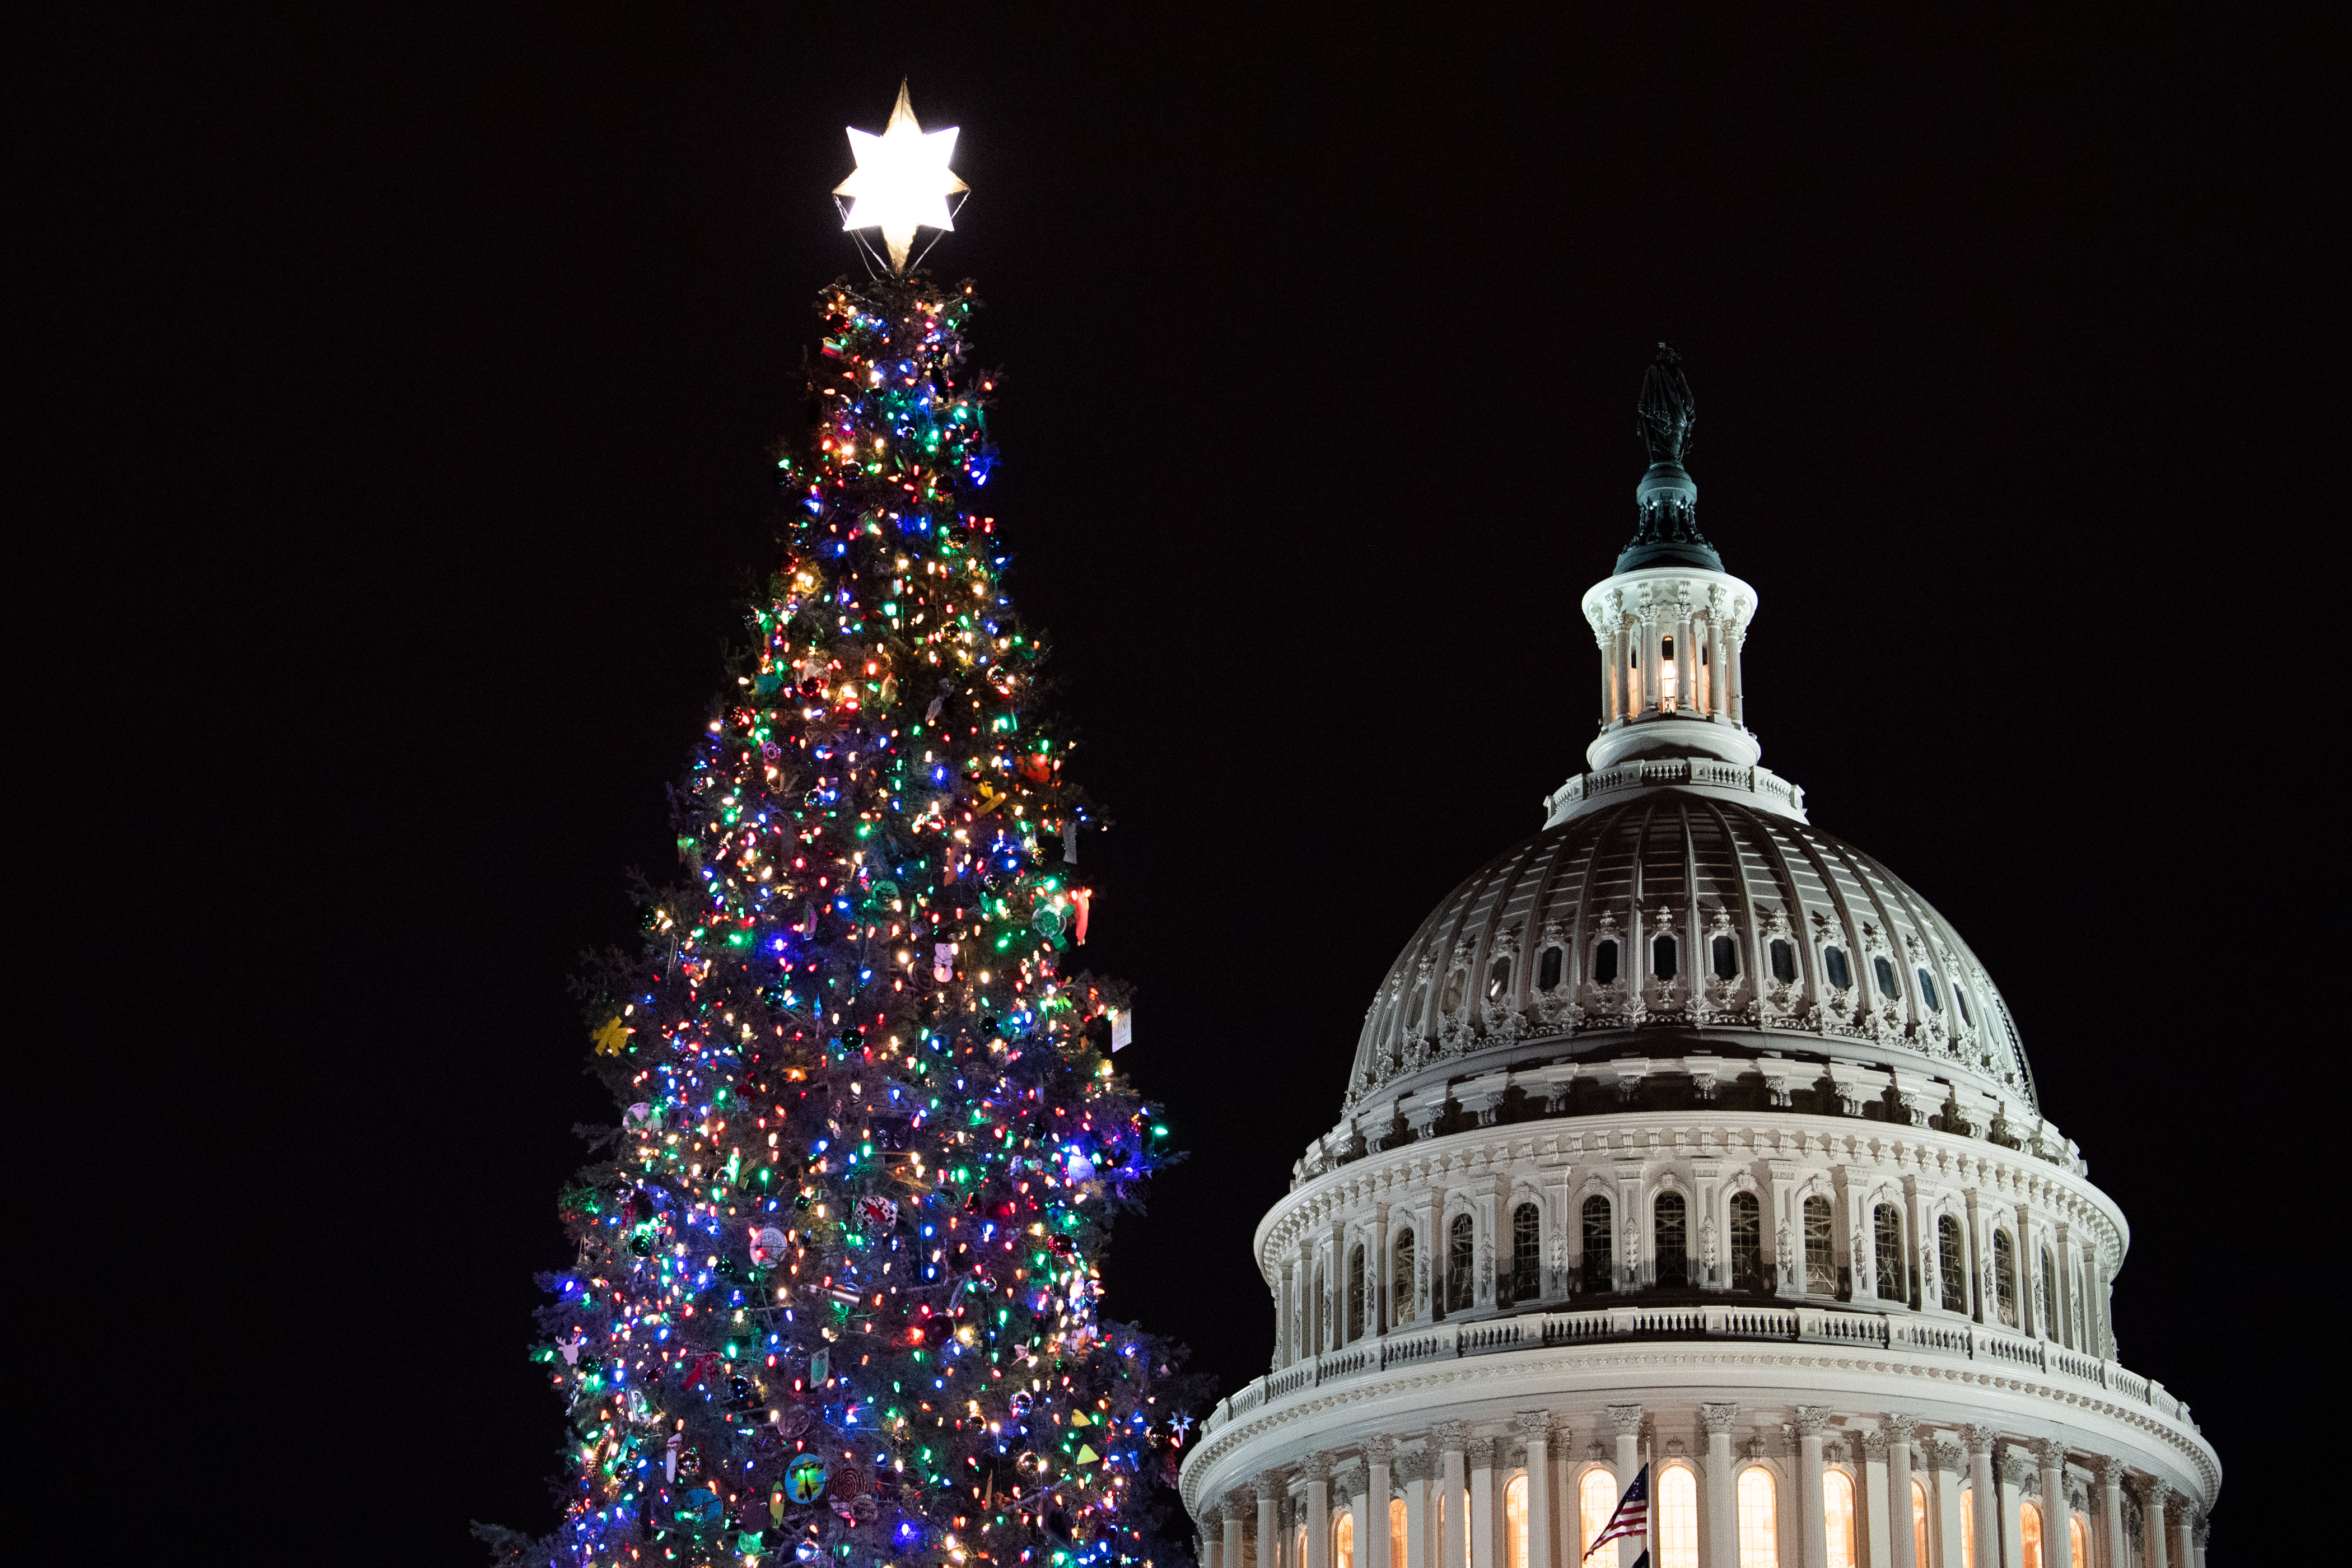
1451,1481
1627,1420
1269,1521
1481,1455
1812,1507
1902,1546
1739,680
1722,1487
1985,1520
2057,1539
1414,1470
1318,1511
1714,682
1534,1430
1379,1452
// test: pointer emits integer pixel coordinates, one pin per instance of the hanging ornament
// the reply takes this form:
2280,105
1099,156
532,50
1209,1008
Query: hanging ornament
1081,1168
882,894
943,961
670,1457
768,1245
571,1348
1070,855
611,1037
639,1117
880,1212
1050,920
1037,768
690,1461
702,1507
805,1479
1083,899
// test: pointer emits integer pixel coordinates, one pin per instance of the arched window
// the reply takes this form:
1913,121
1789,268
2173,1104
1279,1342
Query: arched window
1968,1527
1760,1537
1355,1293
1952,1264
2004,1276
1747,1243
1499,979
2029,1535
2049,1295
1548,969
1834,964
2078,1536
1928,991
1886,972
1784,963
1727,958
1837,1520
1662,954
1397,1540
1604,963
1343,1538
1960,994
1461,1255
1887,1222
1515,1522
1596,1500
1454,983
1599,1270
1919,1526
1821,1267
1315,1315
1299,1548
1401,1281
1526,1253
1413,1013
1676,1533
1672,1226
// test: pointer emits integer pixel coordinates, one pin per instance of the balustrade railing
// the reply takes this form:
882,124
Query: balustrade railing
1811,1325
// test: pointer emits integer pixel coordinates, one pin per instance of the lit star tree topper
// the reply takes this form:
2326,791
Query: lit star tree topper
902,181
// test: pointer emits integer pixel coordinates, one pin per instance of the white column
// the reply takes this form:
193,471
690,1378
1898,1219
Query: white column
2184,1533
1210,1546
2153,1496
1627,1420
1649,672
1878,1540
1318,1511
1721,1531
1359,1506
2013,1470
1451,1480
1608,673
1685,662
2198,1536
1944,1462
1236,1505
1812,1510
2111,1545
1376,1281
1482,1503
1987,1509
1269,1522
1714,682
1739,680
1902,1546
1414,1472
1535,1431
1379,1452
2057,1540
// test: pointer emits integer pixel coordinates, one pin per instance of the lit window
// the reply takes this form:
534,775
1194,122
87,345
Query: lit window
1951,1262
1928,992
1919,1527
1821,1267
1397,1541
2079,1536
1662,958
1677,1534
1413,1015
1300,1560
1597,1269
2029,1535
1355,1293
1837,1524
2004,1276
1401,1281
1343,1538
1888,1223
1548,971
1499,979
1459,1288
1833,963
1671,1229
1596,1500
1747,1243
1604,963
1784,964
1453,1002
1968,1527
1726,959
1759,1542
1515,1523
1526,1253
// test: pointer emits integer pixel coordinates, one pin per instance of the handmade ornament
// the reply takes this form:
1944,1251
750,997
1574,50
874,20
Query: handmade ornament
1083,898
611,1037
882,894
670,1453
1122,1030
768,1245
931,714
569,1349
639,1117
1081,1168
1050,920
880,1212
943,961
821,1369
702,1507
989,798
804,1480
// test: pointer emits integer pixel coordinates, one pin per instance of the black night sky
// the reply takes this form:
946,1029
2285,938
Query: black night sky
417,371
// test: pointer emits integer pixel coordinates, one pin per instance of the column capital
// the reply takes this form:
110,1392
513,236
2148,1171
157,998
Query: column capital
2109,1469
1380,1450
1535,1426
1812,1418
1447,1436
2049,1455
1481,1452
1874,1447
1625,1418
1415,1465
2015,1471
1901,1428
1267,1485
1237,1504
1317,1467
1979,1439
1718,1418
2200,1529
1942,1455
2154,1494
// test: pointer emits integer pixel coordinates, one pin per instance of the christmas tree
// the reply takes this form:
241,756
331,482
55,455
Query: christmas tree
835,1296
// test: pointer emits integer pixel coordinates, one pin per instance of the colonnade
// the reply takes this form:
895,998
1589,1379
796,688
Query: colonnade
1703,640
1888,1490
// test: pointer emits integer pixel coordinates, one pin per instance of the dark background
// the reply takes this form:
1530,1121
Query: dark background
408,378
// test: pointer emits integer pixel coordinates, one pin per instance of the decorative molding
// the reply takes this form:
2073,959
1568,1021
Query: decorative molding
1448,1435
1874,1447
1717,1418
1480,1453
1812,1419
1316,1468
1380,1449
1625,1419
1534,1425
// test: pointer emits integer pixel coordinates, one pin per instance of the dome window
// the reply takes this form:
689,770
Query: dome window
1951,1264
1887,1224
1960,996
1726,959
1834,964
1784,964
1498,980
1671,1233
1928,992
1662,958
1886,974
1355,1293
1526,1253
1413,1013
1596,1244
1400,1285
2004,1276
1460,1260
1820,1264
1604,963
1747,1243
1548,969
1453,1002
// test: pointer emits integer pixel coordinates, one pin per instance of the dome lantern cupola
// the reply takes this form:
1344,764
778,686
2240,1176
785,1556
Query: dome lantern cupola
1669,625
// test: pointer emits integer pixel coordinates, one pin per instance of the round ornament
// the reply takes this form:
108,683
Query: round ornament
805,1479
768,1245
1081,1168
1051,921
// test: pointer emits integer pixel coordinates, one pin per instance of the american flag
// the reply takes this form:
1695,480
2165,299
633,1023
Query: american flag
1633,1515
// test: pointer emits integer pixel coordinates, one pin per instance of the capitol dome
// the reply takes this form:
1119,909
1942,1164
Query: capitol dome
1689,1169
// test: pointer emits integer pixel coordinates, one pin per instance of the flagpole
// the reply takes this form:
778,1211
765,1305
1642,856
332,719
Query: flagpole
1649,1514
